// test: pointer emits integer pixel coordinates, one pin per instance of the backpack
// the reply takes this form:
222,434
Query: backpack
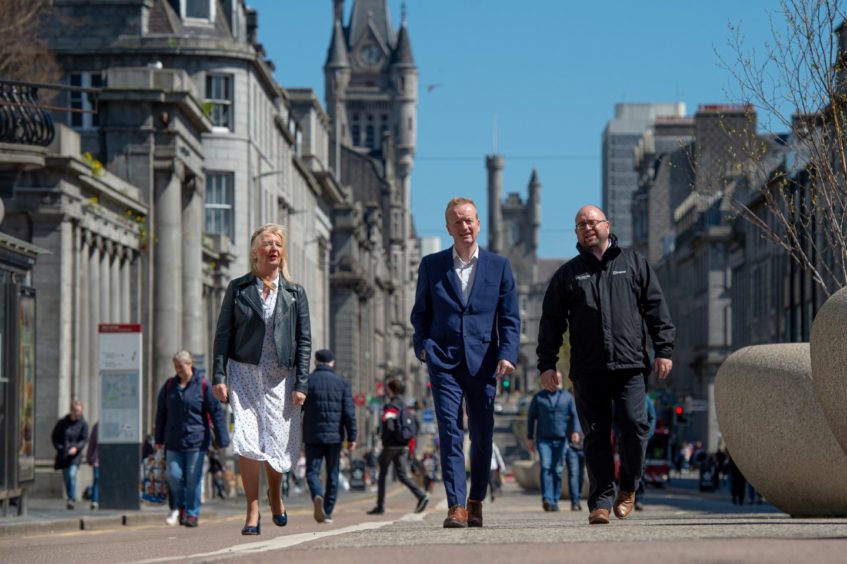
405,426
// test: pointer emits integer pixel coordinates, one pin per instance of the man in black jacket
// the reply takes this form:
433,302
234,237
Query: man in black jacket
69,437
607,296
328,417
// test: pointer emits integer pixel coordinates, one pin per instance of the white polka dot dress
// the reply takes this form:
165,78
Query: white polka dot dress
267,425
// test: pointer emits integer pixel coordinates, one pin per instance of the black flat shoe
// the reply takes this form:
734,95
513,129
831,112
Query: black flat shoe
280,520
257,530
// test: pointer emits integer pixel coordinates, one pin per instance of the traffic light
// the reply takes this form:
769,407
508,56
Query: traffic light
679,415
507,384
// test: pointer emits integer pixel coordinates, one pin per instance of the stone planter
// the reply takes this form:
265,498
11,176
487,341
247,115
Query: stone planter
776,431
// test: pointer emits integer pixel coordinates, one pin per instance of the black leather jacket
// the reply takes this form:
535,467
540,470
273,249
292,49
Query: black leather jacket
241,329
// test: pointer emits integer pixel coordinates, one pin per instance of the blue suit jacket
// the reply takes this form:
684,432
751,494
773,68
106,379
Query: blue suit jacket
481,332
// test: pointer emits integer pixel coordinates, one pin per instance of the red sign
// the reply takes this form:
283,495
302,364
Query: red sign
359,399
380,389
119,327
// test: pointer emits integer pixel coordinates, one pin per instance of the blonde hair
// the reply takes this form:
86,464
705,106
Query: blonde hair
460,201
184,357
279,231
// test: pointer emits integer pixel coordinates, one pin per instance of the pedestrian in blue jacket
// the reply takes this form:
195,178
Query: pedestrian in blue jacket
552,419
186,412
329,419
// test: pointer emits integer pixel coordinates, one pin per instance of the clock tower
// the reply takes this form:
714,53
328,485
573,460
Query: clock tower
371,89
371,83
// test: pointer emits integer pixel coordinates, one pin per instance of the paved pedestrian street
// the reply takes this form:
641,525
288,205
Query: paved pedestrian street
678,524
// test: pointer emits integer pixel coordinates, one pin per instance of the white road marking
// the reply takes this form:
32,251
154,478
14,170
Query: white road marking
281,542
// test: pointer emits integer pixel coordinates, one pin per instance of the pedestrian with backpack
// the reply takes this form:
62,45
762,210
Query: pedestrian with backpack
185,415
398,428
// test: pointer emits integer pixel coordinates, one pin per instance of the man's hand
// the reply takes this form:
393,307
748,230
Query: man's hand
351,445
551,380
530,444
72,451
505,367
298,398
662,367
423,356
575,438
219,391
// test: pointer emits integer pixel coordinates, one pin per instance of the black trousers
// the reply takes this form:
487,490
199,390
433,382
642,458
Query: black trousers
600,398
394,455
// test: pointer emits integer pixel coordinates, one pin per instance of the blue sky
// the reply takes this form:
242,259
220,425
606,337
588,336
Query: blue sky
548,71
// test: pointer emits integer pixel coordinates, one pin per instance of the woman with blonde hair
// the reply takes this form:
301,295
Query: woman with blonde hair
263,342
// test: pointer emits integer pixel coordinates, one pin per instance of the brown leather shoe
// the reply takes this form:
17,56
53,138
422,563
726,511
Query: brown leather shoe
457,518
474,513
624,504
598,516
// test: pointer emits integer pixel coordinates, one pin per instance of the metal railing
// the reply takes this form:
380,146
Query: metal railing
26,120
22,118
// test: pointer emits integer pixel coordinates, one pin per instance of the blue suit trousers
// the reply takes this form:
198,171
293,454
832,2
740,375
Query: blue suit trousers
449,390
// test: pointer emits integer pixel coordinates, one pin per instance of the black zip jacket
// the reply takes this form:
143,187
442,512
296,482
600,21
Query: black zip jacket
241,329
607,305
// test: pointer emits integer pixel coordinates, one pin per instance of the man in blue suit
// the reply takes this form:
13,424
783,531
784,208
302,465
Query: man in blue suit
467,329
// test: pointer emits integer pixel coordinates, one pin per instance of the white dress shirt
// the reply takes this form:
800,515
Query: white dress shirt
269,303
466,271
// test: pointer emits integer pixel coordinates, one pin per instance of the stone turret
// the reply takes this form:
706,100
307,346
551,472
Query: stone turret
494,164
534,207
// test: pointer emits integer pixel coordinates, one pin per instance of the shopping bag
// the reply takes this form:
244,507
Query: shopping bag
154,487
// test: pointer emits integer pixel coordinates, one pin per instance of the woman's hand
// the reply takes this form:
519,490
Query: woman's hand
298,398
219,391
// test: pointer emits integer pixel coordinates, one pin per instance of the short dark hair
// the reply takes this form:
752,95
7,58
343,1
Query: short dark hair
396,386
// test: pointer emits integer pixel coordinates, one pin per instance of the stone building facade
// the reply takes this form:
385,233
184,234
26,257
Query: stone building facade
195,145
371,83
620,137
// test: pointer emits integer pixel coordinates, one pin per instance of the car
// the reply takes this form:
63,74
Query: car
498,407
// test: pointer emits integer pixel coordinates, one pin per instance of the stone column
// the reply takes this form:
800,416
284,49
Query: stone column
105,295
82,327
193,330
167,291
115,294
92,397
126,286
67,295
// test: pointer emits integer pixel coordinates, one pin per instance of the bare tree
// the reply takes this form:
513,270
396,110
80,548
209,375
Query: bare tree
799,81
23,54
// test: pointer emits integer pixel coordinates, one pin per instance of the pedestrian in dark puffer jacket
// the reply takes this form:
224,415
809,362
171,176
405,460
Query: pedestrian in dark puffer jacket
329,419
69,437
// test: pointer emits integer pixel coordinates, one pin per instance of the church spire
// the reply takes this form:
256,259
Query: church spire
336,56
403,52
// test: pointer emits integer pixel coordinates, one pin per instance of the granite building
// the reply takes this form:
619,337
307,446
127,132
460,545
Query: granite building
183,145
371,83
620,137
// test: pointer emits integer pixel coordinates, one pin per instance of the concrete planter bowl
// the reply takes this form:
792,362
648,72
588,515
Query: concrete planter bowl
776,431
528,476
829,362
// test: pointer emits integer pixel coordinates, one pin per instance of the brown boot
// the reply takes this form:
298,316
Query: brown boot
624,504
598,516
474,513
457,518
